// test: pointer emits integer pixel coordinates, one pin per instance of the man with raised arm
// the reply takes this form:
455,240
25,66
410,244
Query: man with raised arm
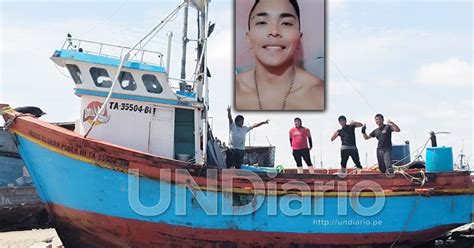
237,134
384,146
348,142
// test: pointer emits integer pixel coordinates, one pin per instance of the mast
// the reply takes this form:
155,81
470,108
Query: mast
204,35
185,42
202,51
201,80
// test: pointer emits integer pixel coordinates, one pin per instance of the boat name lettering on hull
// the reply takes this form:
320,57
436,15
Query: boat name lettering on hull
99,157
131,107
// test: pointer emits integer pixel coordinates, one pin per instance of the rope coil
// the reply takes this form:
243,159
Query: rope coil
12,120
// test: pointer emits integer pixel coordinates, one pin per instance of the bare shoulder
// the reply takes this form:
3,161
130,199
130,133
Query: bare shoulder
245,91
244,81
308,80
308,92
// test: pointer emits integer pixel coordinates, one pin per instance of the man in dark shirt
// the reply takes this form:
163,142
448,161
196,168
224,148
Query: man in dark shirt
348,146
384,147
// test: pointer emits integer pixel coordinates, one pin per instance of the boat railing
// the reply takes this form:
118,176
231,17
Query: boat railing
113,51
180,86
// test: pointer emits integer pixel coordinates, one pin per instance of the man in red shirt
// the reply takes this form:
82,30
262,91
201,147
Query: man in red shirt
299,137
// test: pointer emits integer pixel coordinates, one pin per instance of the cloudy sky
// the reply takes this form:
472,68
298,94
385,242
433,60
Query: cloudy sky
410,60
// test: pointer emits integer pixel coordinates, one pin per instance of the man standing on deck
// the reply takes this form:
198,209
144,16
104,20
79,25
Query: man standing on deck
348,146
299,137
237,133
384,147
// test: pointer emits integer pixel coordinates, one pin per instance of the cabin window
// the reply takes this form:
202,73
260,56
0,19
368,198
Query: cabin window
101,77
152,84
75,73
126,81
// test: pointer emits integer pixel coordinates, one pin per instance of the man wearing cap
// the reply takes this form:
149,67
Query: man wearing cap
348,142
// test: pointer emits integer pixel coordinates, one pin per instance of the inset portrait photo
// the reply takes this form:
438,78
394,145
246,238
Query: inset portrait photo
279,55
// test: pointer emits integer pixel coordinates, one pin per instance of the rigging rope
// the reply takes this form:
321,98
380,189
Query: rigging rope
126,57
12,120
415,180
357,91
350,84
106,20
57,68
163,23
407,222
417,153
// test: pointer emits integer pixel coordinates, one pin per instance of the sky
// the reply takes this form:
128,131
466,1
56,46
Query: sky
409,60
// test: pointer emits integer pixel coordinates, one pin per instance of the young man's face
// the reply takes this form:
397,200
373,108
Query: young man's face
297,123
274,34
379,121
342,122
239,123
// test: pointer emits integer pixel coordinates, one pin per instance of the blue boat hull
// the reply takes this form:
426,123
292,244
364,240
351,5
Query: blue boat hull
78,190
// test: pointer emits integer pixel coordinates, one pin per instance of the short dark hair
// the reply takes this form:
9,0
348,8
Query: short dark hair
297,119
341,118
239,118
379,115
293,3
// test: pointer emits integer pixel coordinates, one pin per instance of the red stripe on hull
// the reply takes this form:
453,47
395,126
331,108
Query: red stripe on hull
86,229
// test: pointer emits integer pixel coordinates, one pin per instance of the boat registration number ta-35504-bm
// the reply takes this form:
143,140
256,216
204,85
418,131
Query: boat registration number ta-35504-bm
132,107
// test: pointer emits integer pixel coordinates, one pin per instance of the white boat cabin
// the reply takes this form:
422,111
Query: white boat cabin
145,112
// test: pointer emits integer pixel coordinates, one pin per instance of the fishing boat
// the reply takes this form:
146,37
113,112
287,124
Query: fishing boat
141,169
20,206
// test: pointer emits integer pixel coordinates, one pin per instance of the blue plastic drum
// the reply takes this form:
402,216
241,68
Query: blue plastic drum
400,154
439,159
